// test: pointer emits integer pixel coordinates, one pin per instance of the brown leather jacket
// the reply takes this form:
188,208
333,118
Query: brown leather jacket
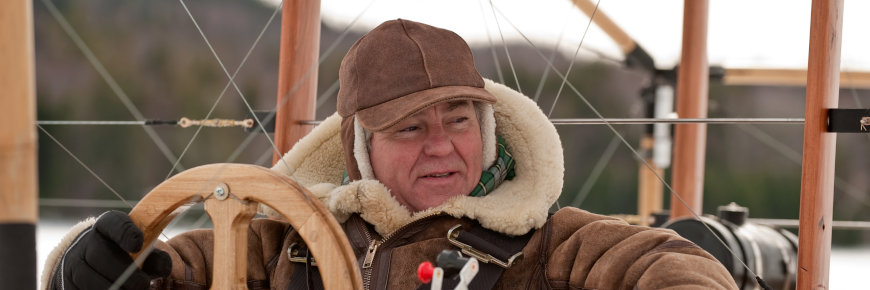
573,250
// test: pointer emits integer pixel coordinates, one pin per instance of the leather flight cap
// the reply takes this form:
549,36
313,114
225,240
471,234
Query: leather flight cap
402,67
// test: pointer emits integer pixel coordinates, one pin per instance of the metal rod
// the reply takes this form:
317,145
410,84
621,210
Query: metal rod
61,122
639,121
87,203
627,121
837,225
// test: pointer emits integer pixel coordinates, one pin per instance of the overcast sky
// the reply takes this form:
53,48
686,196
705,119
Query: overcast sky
742,33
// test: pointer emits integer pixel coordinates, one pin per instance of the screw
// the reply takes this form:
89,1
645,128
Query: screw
221,192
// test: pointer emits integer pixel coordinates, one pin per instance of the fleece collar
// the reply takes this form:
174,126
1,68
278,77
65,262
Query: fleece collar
513,208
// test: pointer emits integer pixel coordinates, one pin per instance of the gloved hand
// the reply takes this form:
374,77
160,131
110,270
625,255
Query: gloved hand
100,254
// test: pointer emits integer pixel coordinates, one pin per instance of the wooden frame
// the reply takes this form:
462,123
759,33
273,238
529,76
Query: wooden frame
297,73
690,140
819,147
18,181
231,193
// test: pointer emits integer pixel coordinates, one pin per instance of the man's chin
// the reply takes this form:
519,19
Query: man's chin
436,199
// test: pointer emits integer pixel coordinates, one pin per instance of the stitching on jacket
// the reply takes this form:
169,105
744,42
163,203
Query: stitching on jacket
545,244
63,260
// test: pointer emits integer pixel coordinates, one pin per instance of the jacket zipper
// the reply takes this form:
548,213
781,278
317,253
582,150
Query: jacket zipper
374,244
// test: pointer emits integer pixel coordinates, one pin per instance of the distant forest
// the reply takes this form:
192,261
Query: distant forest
160,62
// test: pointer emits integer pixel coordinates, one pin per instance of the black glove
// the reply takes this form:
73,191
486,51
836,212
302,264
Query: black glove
100,254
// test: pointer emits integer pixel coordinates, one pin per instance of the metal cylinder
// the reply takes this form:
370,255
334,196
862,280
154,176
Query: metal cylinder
768,252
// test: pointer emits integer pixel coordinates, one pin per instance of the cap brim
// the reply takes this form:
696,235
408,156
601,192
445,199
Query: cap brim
382,116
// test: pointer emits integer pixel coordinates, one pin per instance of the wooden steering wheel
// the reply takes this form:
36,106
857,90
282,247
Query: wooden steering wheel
231,193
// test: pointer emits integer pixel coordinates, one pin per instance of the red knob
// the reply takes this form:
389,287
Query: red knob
424,272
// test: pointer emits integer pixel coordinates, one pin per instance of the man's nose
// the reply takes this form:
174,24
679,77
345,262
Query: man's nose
438,142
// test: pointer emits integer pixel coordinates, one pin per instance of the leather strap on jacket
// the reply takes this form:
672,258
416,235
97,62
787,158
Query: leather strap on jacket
495,252
307,278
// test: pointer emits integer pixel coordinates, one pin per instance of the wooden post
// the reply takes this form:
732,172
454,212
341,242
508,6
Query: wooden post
297,72
817,174
789,77
18,193
649,188
690,139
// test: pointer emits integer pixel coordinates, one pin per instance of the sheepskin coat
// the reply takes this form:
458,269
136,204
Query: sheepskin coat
572,249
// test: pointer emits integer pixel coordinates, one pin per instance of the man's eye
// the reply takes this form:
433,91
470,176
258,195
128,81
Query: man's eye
460,119
409,129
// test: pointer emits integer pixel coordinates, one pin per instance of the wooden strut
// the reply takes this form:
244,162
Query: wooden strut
297,72
789,77
18,174
231,193
692,91
819,147
625,42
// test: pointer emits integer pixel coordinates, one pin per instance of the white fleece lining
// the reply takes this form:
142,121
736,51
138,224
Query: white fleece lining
361,151
486,118
514,208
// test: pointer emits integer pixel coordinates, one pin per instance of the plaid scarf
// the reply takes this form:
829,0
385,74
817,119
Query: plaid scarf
502,170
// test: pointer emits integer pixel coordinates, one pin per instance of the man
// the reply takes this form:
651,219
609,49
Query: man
421,145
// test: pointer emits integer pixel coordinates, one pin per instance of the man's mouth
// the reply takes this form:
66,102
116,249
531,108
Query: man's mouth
439,175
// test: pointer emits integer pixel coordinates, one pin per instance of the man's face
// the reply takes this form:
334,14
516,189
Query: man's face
430,156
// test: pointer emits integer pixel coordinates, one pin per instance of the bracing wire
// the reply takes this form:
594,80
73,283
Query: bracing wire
546,74
248,140
105,123
571,65
125,100
795,156
107,77
325,96
573,59
295,86
224,90
633,150
491,45
239,91
86,167
586,188
504,44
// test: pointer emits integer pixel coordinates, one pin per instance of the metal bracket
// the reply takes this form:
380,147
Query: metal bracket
295,255
849,120
453,233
